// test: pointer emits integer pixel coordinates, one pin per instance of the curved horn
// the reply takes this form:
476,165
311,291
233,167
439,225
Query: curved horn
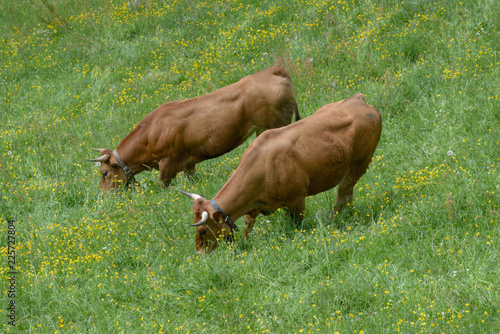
193,196
204,217
100,159
98,149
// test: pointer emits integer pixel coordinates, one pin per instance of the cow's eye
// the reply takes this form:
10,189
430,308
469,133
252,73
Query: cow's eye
104,174
202,232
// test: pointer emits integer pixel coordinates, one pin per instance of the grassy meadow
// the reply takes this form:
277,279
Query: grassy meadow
417,251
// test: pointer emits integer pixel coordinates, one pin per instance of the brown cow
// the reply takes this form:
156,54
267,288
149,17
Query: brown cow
179,134
282,166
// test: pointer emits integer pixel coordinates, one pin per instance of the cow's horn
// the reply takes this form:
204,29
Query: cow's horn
100,159
99,149
193,196
204,217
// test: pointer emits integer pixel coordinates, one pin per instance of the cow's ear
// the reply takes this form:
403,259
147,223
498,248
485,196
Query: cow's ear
115,166
217,217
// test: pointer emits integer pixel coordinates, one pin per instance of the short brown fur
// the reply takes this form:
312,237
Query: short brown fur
282,166
179,134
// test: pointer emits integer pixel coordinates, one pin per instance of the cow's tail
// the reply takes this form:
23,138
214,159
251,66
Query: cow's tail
296,113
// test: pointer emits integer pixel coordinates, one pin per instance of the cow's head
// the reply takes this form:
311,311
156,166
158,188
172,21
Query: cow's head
112,176
210,225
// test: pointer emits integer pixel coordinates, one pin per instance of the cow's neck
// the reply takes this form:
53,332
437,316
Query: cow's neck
234,205
131,156
231,208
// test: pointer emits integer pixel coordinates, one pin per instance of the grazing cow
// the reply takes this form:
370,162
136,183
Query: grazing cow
179,134
282,166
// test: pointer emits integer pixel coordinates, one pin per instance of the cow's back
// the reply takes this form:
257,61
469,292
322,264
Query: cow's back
211,125
312,155
269,98
353,124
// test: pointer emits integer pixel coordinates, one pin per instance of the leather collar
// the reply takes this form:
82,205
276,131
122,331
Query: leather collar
126,169
227,219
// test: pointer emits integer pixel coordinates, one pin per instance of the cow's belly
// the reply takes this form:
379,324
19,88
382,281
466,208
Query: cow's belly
217,146
325,181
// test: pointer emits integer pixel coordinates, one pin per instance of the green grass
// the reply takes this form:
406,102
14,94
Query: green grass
416,252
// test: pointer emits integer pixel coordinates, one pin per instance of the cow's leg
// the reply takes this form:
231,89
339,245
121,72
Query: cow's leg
346,186
249,222
297,208
190,170
168,171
